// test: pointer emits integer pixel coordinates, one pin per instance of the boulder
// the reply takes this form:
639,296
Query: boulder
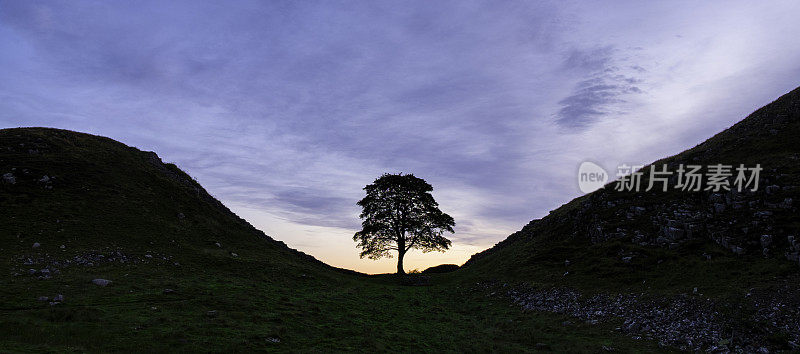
772,189
9,178
101,282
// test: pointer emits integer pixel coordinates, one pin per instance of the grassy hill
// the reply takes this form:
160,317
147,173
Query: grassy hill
188,275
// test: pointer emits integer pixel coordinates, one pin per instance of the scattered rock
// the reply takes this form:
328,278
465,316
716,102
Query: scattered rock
212,313
234,254
36,245
101,282
168,291
43,298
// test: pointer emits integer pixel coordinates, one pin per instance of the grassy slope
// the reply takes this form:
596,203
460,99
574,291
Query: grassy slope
537,253
106,197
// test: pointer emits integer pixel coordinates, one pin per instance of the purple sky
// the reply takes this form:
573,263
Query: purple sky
284,110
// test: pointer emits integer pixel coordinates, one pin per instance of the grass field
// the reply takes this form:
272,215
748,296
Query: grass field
258,306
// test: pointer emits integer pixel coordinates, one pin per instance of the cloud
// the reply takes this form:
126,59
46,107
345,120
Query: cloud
595,97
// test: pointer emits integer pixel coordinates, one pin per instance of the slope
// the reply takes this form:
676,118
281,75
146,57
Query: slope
186,274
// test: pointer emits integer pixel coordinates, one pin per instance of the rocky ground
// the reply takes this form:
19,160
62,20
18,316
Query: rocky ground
765,321
46,266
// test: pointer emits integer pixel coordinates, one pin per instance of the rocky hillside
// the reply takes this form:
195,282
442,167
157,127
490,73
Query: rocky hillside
695,270
762,222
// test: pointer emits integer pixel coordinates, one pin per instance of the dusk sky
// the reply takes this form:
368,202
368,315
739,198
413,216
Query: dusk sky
285,110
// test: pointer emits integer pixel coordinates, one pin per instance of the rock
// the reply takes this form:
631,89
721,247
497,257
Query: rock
673,233
168,291
217,244
181,216
9,178
766,241
58,298
772,189
786,203
43,298
44,179
763,214
234,254
63,247
273,340
148,256
36,245
717,198
101,282
212,313
627,260
719,208
566,263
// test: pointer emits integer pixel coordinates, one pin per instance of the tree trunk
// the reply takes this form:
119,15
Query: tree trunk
400,270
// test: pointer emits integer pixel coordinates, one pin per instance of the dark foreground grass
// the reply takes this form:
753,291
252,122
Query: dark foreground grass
258,310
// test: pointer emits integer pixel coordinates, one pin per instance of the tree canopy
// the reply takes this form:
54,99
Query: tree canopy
399,213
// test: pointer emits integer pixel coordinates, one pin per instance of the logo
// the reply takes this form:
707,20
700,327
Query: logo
591,177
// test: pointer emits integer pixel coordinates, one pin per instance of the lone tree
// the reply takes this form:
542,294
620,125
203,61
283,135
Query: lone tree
399,214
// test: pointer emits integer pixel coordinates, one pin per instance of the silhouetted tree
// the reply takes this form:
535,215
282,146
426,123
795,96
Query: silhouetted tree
399,214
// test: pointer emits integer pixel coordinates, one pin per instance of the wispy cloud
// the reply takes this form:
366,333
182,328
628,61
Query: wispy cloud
594,97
